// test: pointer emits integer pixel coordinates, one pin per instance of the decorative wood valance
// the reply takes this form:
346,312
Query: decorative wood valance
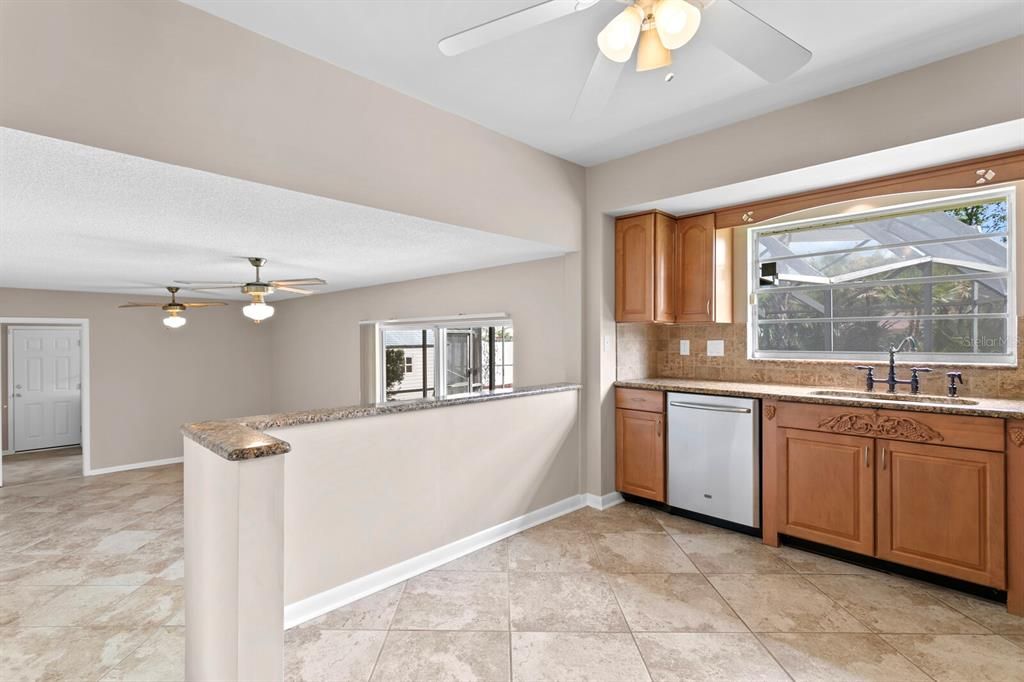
970,174
883,426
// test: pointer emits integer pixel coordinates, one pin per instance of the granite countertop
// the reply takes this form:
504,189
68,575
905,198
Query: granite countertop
985,407
244,438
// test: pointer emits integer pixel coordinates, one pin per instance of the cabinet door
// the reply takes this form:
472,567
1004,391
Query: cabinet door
942,509
826,488
634,269
640,453
703,270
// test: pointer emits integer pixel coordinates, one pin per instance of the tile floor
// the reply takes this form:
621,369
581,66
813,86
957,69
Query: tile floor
46,465
91,589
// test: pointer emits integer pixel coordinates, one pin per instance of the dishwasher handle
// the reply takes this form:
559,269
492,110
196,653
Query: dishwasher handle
709,408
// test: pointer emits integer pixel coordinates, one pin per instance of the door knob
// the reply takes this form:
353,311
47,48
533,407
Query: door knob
17,395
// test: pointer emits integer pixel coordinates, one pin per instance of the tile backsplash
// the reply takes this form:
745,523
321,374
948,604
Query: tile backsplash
652,350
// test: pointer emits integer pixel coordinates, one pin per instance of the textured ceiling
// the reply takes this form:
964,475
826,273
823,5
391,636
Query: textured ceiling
526,85
78,218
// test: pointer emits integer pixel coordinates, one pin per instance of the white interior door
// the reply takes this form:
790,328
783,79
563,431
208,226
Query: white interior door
46,389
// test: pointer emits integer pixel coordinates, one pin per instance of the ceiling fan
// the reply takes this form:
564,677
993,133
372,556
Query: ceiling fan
174,309
258,310
654,28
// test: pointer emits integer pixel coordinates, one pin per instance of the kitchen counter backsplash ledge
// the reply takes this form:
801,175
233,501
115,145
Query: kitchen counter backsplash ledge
244,438
985,407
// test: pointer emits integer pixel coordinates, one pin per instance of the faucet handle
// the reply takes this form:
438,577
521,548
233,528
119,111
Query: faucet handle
865,367
955,376
915,370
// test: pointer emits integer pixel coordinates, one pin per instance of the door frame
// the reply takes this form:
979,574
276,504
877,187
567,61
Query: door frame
6,426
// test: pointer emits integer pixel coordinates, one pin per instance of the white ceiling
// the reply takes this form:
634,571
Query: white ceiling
78,218
526,85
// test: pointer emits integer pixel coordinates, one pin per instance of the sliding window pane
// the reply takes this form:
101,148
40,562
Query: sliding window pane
408,363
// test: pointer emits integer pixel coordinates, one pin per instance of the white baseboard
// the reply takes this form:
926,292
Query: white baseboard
137,465
603,502
311,607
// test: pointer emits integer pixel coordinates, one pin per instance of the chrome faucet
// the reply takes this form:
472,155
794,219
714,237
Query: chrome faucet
891,381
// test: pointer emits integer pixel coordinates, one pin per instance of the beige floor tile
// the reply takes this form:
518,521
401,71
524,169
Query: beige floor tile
170,517
168,542
553,551
576,657
677,602
75,606
124,541
137,568
783,603
174,574
563,602
103,520
955,658
443,657
680,525
490,558
454,600
29,569
161,658
68,654
806,562
705,656
147,605
335,655
622,518
1016,639
840,657
20,601
151,503
641,553
731,553
369,613
992,615
894,606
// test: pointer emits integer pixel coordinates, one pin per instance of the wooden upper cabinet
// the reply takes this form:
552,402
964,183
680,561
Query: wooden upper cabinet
942,509
645,282
704,270
826,488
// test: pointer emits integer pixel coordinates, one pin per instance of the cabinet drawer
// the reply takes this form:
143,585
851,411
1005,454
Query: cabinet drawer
640,399
979,433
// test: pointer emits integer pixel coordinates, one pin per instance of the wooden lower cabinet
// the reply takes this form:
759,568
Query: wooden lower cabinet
826,488
640,453
942,509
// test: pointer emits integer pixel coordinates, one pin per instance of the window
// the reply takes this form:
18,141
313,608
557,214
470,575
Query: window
468,356
846,287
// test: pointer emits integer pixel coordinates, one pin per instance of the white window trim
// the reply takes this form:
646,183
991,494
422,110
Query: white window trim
1009,193
439,326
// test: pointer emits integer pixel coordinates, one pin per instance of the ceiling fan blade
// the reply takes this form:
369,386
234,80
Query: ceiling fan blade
596,92
510,24
305,281
293,290
209,283
752,42
142,305
202,305
202,287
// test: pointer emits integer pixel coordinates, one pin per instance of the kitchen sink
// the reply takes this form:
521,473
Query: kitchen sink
896,397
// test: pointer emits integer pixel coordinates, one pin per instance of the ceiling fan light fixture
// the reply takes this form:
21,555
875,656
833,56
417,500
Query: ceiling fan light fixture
173,321
257,311
618,38
651,54
676,21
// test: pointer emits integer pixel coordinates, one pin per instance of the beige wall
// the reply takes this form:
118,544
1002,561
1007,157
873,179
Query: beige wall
315,354
400,485
965,92
147,380
165,81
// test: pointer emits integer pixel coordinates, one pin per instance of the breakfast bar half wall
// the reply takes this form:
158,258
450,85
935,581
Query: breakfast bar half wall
290,516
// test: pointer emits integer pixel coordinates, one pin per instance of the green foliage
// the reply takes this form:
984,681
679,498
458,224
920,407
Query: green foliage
394,368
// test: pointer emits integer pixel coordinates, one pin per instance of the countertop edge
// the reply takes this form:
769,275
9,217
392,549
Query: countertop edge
999,408
244,438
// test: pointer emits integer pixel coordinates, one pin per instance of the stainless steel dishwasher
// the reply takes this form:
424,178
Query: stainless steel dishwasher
714,457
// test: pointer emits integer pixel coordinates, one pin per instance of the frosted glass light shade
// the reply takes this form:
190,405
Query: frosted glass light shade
257,312
651,54
173,321
618,38
676,22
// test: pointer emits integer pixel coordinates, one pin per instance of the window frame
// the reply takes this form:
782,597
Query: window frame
1008,359
439,327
